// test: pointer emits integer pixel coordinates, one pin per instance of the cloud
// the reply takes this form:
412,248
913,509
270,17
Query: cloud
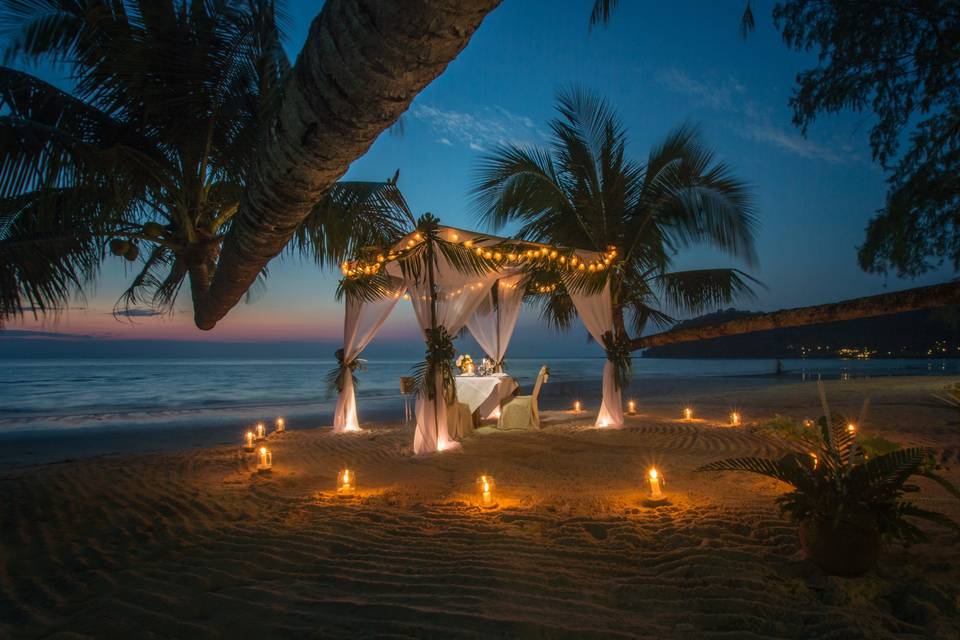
720,96
753,124
478,130
790,142
137,313
13,334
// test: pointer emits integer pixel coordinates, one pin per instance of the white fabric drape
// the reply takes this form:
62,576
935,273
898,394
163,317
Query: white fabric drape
493,325
597,315
458,295
361,322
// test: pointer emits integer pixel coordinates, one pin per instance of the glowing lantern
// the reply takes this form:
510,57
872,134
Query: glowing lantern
852,429
454,237
261,431
631,407
655,480
688,414
346,482
248,441
485,486
577,407
808,423
468,244
266,460
281,425
735,419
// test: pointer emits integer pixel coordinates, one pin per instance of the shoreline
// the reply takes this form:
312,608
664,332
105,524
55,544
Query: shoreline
667,395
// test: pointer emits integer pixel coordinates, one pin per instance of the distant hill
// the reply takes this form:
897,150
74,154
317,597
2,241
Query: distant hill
915,334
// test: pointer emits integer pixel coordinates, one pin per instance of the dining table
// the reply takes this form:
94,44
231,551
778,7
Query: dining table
483,394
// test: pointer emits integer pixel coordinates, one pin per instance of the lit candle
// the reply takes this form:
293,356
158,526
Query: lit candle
266,460
248,441
735,419
656,484
485,485
688,414
261,431
631,407
576,406
281,426
346,481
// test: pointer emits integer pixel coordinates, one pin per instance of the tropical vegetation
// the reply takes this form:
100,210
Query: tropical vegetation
585,192
148,154
839,491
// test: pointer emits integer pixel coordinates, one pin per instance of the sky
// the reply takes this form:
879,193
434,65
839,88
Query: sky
660,65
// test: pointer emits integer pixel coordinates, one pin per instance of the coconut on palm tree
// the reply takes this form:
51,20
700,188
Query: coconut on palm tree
583,191
148,154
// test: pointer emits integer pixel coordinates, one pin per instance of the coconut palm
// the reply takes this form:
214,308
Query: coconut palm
148,155
584,192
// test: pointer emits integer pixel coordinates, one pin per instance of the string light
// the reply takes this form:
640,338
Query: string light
563,257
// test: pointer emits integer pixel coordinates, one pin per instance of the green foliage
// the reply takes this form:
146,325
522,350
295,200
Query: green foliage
618,352
583,191
337,377
810,436
151,146
836,481
899,60
437,365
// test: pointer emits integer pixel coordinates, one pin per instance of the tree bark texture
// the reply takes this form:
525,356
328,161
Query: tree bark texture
363,63
884,304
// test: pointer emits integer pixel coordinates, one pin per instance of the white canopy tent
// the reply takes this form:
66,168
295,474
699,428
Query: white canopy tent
450,276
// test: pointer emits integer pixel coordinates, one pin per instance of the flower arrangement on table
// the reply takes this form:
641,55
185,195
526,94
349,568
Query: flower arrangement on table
465,363
486,367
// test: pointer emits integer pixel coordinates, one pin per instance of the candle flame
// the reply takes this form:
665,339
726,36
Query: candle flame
688,413
735,418
653,474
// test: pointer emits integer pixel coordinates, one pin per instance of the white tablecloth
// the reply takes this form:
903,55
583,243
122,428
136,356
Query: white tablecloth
484,393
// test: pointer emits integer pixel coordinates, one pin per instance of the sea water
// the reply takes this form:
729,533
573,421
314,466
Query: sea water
44,395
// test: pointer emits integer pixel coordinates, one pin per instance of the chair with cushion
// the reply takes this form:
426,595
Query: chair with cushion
520,412
459,420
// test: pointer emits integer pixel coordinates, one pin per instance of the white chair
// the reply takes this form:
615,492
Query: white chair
520,412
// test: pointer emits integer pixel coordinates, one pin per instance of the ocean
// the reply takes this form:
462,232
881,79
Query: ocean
71,395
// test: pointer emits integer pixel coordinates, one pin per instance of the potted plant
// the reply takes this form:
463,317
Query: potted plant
843,501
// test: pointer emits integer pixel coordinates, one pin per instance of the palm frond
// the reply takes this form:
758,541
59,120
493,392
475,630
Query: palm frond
351,216
699,290
600,14
747,23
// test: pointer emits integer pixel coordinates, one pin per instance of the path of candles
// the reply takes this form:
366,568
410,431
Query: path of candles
198,544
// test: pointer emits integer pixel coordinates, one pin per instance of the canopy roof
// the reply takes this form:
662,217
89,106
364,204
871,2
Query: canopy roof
489,253
449,275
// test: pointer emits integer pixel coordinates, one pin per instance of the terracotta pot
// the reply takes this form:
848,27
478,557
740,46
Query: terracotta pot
849,548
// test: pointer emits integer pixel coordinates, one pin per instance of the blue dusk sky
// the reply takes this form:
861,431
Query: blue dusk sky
660,65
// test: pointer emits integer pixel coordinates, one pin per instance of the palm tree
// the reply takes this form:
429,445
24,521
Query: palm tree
584,192
150,153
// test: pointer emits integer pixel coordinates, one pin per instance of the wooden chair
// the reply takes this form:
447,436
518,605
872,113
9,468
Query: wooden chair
521,412
407,388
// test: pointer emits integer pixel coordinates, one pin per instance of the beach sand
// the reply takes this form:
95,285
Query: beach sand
197,544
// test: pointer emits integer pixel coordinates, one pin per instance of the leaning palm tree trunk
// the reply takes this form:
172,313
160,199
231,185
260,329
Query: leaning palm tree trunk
363,63
888,303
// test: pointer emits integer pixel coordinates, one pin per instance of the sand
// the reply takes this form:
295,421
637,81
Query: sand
197,544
